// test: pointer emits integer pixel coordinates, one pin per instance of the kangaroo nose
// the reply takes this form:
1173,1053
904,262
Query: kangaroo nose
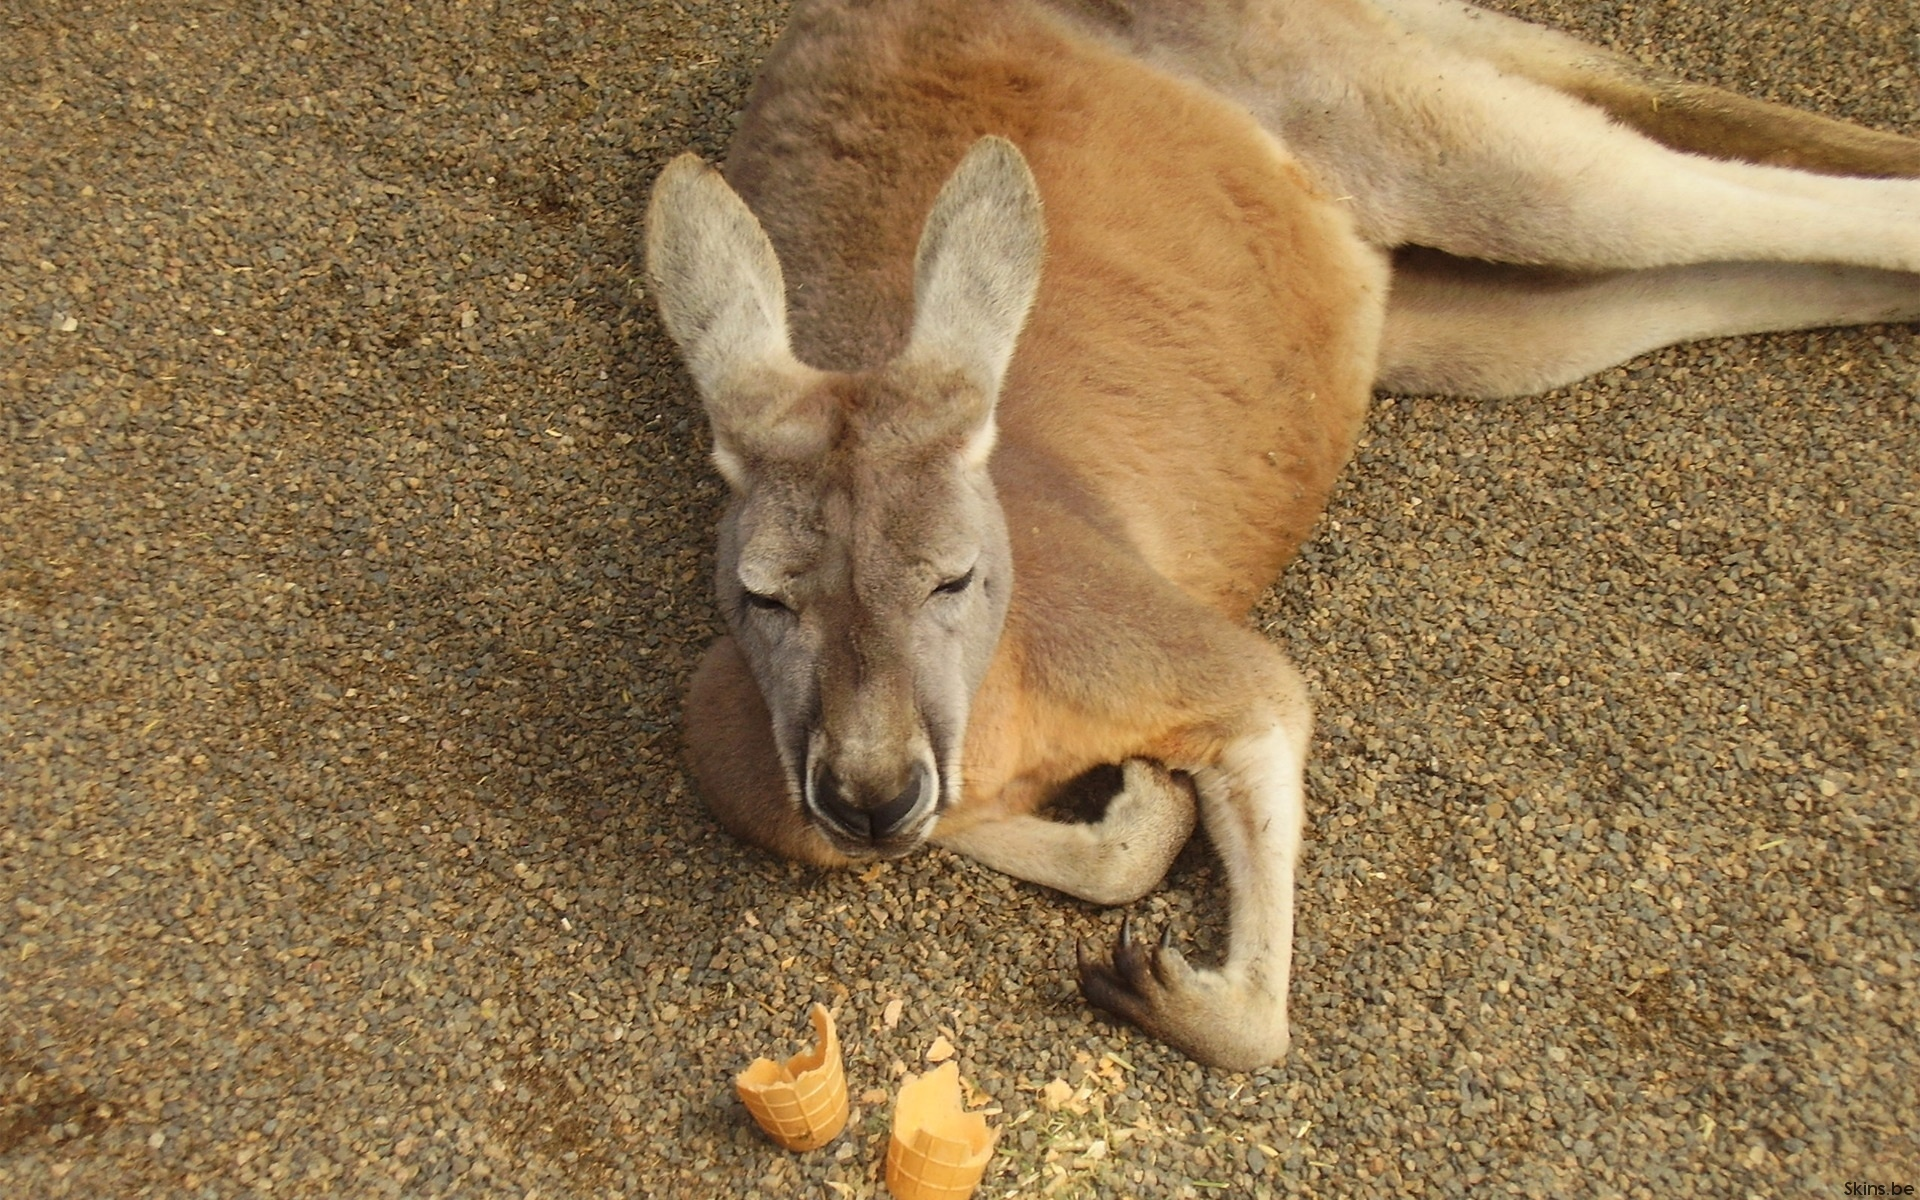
878,822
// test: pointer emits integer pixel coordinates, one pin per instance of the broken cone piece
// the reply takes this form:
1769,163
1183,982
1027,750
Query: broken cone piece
802,1102
939,1150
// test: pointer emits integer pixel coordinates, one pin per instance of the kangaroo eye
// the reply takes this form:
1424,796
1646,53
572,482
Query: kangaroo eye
766,603
953,587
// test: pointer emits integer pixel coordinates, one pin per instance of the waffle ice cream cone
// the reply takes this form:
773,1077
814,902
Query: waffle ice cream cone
801,1103
939,1150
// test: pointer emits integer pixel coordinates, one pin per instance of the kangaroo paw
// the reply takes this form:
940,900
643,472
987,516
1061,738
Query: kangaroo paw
1223,1018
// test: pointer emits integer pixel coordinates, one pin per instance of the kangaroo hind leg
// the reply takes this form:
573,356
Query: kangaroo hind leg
1430,144
1689,117
1465,328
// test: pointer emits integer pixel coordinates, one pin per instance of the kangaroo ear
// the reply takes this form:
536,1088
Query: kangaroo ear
976,272
718,284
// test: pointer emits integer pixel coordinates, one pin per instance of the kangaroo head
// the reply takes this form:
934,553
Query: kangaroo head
863,563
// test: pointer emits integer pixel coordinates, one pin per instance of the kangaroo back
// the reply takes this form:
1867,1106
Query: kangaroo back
1204,340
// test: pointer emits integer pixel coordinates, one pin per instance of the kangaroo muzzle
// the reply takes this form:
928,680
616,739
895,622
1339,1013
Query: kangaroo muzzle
872,818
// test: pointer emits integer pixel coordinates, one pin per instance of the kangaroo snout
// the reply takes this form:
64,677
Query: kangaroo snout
867,815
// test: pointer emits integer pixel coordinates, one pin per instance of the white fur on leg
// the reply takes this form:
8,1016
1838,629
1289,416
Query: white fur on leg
1482,330
1256,829
1253,801
1436,147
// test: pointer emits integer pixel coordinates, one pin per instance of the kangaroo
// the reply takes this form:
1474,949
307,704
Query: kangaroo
1034,333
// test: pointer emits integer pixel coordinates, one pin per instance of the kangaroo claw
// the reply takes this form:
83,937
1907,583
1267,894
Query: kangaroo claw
1217,1018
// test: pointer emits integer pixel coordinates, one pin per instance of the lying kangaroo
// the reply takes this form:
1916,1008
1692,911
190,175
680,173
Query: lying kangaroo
1006,477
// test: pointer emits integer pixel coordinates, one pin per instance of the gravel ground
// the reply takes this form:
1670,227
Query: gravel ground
353,546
